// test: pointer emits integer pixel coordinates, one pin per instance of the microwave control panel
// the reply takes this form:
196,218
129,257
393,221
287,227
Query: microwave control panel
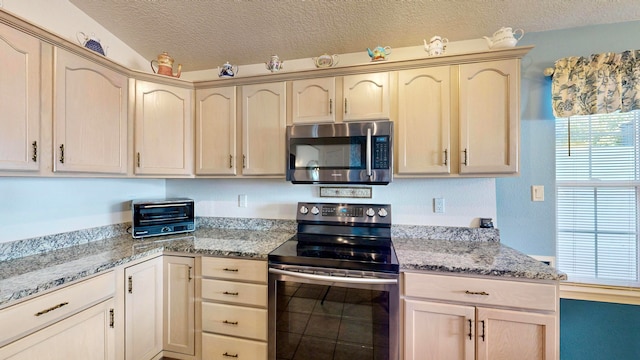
381,152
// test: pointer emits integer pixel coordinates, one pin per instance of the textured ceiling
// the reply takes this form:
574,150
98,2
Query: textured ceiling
203,34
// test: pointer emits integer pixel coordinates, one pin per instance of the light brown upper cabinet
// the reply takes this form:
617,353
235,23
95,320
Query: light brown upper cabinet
423,128
366,97
314,100
90,118
216,131
263,129
489,117
163,129
19,100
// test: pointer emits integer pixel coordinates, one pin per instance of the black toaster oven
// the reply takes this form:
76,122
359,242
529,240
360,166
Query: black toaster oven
162,217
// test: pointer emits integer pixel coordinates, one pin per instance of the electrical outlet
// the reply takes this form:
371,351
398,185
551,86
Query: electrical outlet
438,205
242,200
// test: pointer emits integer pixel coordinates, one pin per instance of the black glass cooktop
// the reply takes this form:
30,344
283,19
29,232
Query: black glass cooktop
340,252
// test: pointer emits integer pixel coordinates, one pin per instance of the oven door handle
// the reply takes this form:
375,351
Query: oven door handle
336,279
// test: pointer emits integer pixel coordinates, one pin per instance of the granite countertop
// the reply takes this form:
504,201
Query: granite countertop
475,255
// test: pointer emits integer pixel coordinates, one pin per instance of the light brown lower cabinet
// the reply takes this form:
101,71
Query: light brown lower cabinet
462,318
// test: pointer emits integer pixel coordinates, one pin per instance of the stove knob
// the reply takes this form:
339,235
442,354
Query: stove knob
315,210
382,212
304,210
370,212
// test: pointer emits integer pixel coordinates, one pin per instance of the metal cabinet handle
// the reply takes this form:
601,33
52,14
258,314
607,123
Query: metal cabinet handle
345,106
52,308
230,322
190,276
482,336
476,293
230,161
62,154
233,270
138,159
330,106
230,355
231,293
34,145
446,157
111,318
470,330
244,161
130,287
465,158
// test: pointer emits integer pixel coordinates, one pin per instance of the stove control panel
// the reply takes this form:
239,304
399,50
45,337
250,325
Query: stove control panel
344,213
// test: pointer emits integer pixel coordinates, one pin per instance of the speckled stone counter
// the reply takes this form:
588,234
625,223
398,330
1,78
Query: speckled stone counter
31,266
488,258
28,275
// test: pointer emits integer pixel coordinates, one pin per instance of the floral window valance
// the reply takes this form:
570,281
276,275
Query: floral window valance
598,84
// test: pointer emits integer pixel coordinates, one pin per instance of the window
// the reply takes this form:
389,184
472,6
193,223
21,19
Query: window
598,182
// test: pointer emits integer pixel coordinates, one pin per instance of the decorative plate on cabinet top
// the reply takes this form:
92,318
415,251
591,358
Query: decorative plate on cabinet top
325,60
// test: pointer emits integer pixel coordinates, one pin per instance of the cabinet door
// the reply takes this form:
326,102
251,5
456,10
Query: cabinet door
489,117
90,119
216,131
505,334
19,100
263,129
143,310
314,100
423,126
434,331
163,130
366,97
88,335
179,305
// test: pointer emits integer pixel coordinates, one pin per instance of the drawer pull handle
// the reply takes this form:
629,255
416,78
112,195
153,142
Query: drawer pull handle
230,322
230,355
482,336
232,270
470,329
483,293
52,308
231,293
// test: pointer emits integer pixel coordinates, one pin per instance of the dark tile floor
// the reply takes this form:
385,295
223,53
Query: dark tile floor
349,324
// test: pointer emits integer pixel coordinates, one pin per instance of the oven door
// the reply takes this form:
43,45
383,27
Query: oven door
324,313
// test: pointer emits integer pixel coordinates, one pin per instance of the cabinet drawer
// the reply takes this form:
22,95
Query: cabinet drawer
235,320
477,291
215,347
235,269
45,309
234,292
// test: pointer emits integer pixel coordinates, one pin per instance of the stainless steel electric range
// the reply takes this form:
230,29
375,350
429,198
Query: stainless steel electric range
333,287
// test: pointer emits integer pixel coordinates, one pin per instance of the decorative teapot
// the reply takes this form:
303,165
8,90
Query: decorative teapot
91,43
274,65
325,60
436,45
503,38
227,70
379,53
165,65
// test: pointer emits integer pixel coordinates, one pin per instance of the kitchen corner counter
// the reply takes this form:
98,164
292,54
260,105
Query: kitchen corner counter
29,275
485,258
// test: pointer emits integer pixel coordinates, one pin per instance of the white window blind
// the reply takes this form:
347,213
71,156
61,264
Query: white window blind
597,179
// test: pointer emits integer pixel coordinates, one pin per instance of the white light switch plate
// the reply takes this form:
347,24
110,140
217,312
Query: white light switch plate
537,192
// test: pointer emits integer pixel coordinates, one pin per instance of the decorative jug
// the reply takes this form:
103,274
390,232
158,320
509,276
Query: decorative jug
274,64
165,65
325,60
91,43
227,70
503,38
436,45
379,53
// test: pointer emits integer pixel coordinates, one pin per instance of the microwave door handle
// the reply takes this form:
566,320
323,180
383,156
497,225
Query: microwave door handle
369,152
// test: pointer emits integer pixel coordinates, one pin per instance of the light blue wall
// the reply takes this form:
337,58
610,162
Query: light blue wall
525,225
588,330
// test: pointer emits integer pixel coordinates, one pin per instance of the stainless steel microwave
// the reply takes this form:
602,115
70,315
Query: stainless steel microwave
340,153
162,217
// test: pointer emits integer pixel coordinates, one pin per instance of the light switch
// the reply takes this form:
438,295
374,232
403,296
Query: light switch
537,192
